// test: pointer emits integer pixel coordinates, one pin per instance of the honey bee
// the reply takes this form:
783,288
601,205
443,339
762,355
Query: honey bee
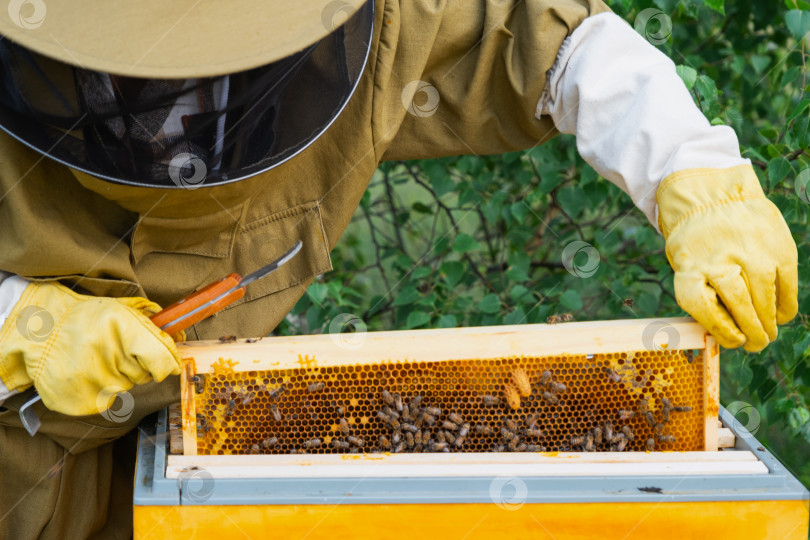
626,414
682,408
551,398
608,431
510,425
513,444
597,435
312,443
343,426
396,437
253,340
417,438
545,377
410,428
203,426
384,442
490,401
628,432
556,387
650,418
269,442
415,402
199,383
275,413
433,411
455,418
483,429
535,448
409,440
276,392
621,445
231,408
355,441
589,443
449,437
227,339
560,317
400,447
406,412
650,444
428,419
577,440
512,397
255,449
667,438
612,375
521,382
460,441
447,424
340,445
315,387
398,402
507,435
248,397
628,302
666,402
642,406
440,446
387,397
391,412
665,412
690,355
464,430
617,438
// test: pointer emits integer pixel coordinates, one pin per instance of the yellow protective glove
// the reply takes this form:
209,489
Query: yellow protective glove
79,351
735,262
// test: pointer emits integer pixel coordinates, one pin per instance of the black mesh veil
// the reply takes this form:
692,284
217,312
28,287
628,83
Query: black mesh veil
181,132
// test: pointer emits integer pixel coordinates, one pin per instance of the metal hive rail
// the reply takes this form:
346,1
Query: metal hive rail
415,392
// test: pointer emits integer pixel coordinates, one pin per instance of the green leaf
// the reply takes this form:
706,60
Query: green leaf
716,5
515,317
422,208
519,211
439,178
687,75
453,271
759,62
416,319
408,295
518,292
778,169
447,321
571,300
465,243
798,22
317,292
572,200
490,304
798,110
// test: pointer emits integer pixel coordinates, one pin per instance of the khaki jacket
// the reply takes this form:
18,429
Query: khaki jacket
487,61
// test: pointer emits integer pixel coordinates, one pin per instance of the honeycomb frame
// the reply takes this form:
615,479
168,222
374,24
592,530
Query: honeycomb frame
316,395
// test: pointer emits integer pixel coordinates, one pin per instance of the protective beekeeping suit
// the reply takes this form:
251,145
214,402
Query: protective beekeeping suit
186,140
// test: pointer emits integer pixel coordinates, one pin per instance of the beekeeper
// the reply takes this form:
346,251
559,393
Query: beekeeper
151,147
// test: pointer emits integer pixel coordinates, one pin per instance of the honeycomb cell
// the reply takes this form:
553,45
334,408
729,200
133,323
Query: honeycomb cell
577,403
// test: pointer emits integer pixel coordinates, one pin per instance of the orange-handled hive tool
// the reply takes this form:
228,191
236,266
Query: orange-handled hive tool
213,297
185,313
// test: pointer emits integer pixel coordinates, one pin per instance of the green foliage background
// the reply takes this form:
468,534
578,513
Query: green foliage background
478,240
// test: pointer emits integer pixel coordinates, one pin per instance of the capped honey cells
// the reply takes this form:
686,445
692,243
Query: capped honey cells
631,401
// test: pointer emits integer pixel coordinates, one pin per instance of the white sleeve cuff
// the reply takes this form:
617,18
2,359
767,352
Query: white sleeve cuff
11,289
634,120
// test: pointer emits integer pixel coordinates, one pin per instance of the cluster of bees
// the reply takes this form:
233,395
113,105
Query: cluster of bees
614,438
523,418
